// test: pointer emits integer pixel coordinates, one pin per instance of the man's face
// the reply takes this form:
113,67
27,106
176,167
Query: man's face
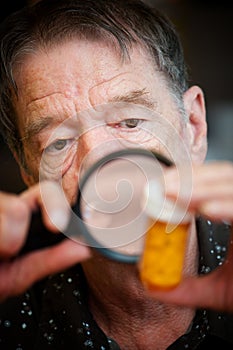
78,101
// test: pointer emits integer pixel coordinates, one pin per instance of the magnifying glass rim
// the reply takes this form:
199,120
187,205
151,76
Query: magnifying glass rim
108,252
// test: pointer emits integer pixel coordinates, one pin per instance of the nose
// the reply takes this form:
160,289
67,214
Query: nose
94,144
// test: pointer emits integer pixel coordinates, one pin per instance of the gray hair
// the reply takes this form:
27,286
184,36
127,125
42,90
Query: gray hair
50,22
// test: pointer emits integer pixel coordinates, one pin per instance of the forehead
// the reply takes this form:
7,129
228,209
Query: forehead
80,68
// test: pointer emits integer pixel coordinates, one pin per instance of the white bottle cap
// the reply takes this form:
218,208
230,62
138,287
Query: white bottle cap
160,208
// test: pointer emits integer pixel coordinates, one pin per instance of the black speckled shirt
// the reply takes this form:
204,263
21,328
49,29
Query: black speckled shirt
54,313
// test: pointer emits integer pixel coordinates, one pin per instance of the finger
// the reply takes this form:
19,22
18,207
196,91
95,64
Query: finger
49,197
208,182
218,210
211,291
191,292
221,190
203,175
14,223
199,292
18,275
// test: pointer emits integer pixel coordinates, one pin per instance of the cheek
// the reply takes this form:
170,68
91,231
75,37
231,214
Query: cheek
168,139
31,167
70,187
70,180
72,175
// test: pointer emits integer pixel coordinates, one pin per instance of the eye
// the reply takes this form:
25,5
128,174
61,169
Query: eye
127,123
130,123
57,146
60,144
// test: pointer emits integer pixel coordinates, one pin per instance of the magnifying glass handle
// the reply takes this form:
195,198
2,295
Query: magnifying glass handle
39,236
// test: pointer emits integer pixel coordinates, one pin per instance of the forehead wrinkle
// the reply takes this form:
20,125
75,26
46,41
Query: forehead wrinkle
36,99
118,89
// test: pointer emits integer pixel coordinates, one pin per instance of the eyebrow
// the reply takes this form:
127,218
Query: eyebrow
139,96
36,126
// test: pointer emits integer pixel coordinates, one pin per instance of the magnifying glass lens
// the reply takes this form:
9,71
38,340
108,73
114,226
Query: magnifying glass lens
112,201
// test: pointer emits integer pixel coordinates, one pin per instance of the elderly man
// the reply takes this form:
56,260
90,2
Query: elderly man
63,65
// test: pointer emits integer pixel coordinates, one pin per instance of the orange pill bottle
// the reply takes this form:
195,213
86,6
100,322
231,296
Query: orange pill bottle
162,261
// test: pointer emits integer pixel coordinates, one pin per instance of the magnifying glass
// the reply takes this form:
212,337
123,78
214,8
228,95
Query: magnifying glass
109,214
110,205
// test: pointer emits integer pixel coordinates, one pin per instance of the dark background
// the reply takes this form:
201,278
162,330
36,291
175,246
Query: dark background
206,30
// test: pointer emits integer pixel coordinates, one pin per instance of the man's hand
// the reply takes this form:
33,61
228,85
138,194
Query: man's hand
212,197
17,273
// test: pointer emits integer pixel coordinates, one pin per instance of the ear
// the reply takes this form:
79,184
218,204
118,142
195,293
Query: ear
194,104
